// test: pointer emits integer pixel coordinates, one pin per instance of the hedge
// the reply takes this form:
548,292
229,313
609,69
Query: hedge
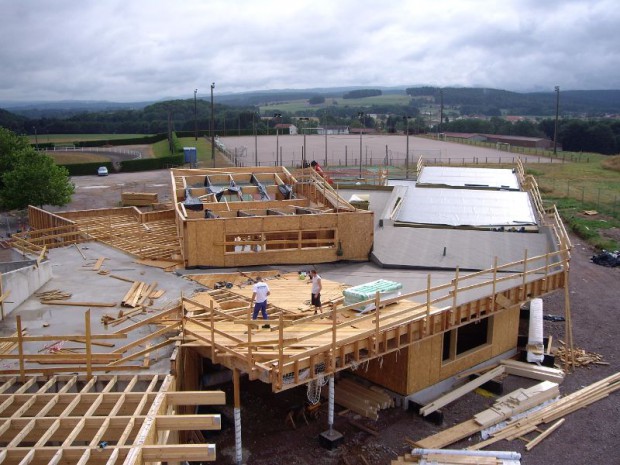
83,169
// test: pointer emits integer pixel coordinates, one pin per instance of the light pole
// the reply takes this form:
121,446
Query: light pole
304,155
255,139
36,137
277,117
195,117
360,115
406,118
325,132
212,126
557,112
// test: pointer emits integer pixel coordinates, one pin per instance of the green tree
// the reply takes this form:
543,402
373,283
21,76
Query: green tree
30,177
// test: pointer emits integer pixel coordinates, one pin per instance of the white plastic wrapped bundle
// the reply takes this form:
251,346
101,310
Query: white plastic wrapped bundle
535,336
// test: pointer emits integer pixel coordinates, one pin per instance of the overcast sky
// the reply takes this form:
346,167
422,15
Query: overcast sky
134,50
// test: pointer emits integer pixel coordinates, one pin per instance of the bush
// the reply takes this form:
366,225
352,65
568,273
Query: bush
147,164
85,169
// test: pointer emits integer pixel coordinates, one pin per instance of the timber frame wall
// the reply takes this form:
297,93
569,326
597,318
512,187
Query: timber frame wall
316,226
110,419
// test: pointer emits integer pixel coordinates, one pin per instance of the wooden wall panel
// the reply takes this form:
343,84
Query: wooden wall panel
505,330
390,372
419,365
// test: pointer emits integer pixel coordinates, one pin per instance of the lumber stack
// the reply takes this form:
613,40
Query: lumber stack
138,293
552,412
8,347
54,294
458,457
138,199
364,400
529,370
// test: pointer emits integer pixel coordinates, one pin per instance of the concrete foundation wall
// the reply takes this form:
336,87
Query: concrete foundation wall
24,282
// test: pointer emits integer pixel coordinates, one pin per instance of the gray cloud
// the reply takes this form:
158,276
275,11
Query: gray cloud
151,49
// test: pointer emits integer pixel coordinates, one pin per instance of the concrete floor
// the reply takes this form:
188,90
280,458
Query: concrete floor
70,274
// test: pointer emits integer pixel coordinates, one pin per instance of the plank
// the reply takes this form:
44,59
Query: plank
461,391
80,304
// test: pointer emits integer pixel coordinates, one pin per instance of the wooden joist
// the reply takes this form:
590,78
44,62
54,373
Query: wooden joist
529,370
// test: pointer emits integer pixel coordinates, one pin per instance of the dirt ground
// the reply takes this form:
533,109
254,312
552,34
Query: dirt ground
589,435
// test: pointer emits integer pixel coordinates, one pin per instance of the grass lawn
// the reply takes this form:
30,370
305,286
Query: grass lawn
70,138
302,104
585,186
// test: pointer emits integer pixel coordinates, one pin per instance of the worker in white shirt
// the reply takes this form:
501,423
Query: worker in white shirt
317,286
259,297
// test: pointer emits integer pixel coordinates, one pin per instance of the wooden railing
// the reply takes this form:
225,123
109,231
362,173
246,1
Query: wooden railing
436,309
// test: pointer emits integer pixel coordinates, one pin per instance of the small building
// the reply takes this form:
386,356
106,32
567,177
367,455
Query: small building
286,128
332,130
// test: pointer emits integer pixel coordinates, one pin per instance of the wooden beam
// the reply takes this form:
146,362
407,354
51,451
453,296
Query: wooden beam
188,422
179,452
196,398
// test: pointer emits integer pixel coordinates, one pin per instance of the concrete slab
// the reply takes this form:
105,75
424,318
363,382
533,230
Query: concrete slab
71,273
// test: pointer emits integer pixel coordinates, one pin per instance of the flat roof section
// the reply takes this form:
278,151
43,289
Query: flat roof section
488,178
466,208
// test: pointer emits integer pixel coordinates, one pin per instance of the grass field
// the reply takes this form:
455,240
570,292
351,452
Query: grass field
301,105
585,186
66,158
70,138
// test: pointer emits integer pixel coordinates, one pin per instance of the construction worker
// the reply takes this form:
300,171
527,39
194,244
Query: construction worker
317,286
314,164
259,296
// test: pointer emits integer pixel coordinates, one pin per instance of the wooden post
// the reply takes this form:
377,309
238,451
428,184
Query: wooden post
20,349
280,348
89,347
334,323
454,294
546,286
568,324
427,318
1,300
237,415
524,296
492,309
212,317
377,323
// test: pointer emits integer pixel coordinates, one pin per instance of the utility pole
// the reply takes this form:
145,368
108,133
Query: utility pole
212,126
195,117
360,115
557,113
440,110
406,118
255,139
277,117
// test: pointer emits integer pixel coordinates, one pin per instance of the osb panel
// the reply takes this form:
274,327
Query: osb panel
465,362
279,257
388,372
318,221
505,330
418,370
356,234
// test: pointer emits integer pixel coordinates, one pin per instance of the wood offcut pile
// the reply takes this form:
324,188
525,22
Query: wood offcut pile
54,294
138,294
364,400
581,357
8,347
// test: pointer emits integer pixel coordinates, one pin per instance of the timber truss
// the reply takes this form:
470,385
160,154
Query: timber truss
107,419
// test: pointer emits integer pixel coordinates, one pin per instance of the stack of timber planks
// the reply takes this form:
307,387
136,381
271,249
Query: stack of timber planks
138,293
529,370
458,457
138,199
554,411
366,401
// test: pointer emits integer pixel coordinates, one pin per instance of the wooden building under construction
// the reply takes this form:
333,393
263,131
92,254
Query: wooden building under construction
255,216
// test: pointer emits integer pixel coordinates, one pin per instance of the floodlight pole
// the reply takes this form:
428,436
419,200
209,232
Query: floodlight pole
557,112
212,126
325,132
277,116
360,115
406,118
255,139
195,117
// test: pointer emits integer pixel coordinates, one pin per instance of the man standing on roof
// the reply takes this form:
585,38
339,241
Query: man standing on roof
259,296
317,286
314,164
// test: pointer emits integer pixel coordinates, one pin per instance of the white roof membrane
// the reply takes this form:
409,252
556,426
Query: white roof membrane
489,178
466,208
